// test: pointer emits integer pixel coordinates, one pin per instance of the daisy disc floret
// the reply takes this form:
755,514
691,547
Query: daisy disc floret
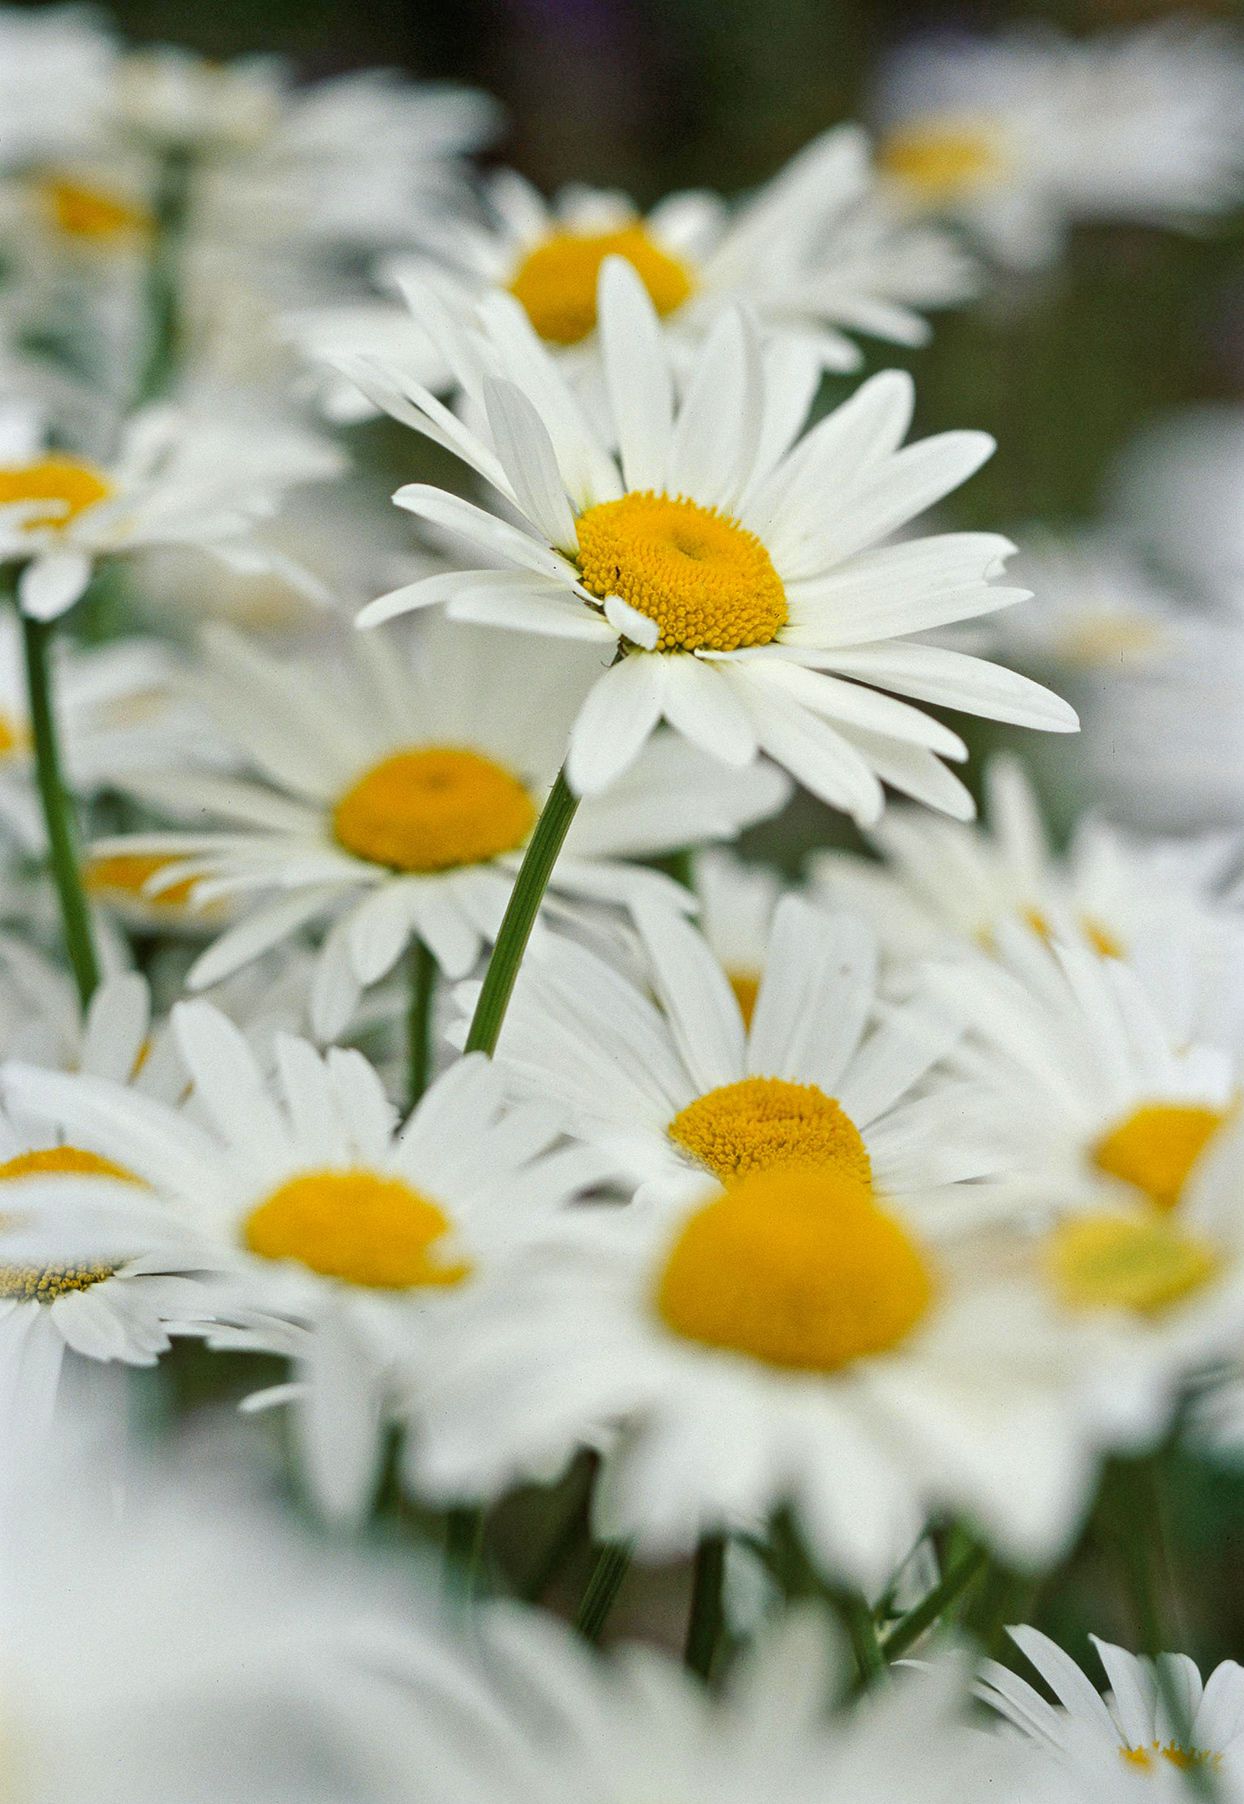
738,570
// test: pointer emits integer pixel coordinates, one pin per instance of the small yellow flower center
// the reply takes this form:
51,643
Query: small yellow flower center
433,808
358,1226
74,486
125,875
45,1283
1109,639
14,735
91,215
1183,1758
556,282
1157,1146
708,583
764,1122
797,1268
939,160
746,987
1122,1262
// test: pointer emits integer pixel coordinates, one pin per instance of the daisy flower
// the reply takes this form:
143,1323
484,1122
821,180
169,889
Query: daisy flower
665,1078
791,1342
339,1240
740,604
394,795
530,1712
176,479
119,711
815,254
1020,135
1096,1091
945,881
1131,1743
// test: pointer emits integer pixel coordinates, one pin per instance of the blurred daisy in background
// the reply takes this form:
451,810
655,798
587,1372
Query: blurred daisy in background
336,1236
392,805
56,67
815,254
740,607
1020,135
664,1078
176,479
1096,1083
1176,490
737,900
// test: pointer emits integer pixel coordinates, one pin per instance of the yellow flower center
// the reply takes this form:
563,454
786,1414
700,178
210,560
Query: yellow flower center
432,808
14,735
746,987
125,875
1122,1262
358,1226
1183,1758
708,583
556,282
75,486
1157,1146
763,1122
91,214
44,1283
798,1268
940,160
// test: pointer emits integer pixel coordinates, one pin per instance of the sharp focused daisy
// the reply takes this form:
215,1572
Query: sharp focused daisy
394,795
791,1342
337,1237
1095,1091
681,1093
1159,1721
815,254
1158,903
737,572
530,1712
1021,134
175,480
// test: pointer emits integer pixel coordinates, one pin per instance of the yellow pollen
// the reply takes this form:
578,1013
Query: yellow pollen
75,486
708,583
556,282
91,214
1183,1758
432,808
798,1268
126,874
940,160
746,987
1099,937
1122,1262
14,735
764,1122
44,1283
1157,1146
358,1226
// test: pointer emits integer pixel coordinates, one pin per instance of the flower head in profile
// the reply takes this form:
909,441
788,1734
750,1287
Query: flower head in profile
335,1234
1159,1720
176,479
737,570
1022,134
816,253
391,790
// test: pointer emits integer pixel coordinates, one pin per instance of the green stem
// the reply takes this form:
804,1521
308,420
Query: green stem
164,321
520,915
419,1022
704,1625
464,1553
600,1593
58,812
909,1628
858,1619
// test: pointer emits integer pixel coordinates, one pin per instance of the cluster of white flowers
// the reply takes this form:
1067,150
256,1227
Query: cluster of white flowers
390,1025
